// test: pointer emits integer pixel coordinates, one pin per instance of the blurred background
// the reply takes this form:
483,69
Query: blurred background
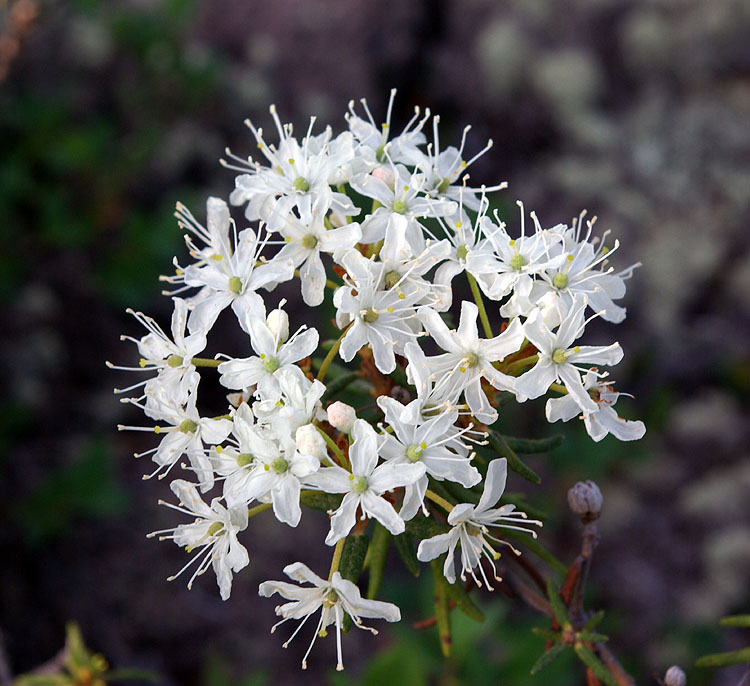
111,111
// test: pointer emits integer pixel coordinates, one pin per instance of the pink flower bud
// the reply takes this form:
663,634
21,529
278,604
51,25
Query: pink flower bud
585,499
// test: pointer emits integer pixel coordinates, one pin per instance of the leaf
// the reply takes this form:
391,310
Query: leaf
546,634
131,675
77,655
558,607
736,620
591,637
353,556
44,680
588,658
318,500
519,500
533,445
464,602
537,548
376,557
340,383
405,548
594,621
735,657
421,527
502,448
548,656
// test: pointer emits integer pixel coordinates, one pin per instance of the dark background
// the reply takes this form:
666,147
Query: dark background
110,112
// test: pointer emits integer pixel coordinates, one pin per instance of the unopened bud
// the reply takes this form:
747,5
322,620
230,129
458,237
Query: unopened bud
585,499
385,175
278,322
549,306
341,416
675,677
310,442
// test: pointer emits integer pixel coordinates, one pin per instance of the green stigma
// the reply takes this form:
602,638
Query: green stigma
399,206
301,184
414,453
370,316
471,360
359,484
235,284
309,242
279,465
188,426
391,279
518,261
559,356
270,364
560,280
215,528
444,185
244,459
174,360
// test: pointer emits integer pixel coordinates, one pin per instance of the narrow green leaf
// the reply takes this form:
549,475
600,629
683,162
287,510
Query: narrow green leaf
442,611
548,656
464,602
353,556
340,383
594,621
421,527
405,548
735,657
527,446
461,494
318,500
118,675
44,680
546,634
736,620
376,556
514,462
588,658
558,607
519,500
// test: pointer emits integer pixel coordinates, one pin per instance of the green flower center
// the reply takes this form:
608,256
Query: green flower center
244,459
188,426
330,599
309,242
370,316
279,465
174,360
461,252
235,285
400,206
301,184
518,261
471,360
443,186
559,356
270,364
560,280
391,279
215,528
359,484
414,452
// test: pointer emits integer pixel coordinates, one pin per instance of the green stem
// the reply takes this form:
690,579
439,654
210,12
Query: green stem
480,305
204,362
336,561
559,388
439,500
331,354
337,451
258,509
514,367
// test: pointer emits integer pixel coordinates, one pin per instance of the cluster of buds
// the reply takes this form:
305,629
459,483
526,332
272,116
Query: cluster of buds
385,224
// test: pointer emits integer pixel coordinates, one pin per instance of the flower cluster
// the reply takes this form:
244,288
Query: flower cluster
385,223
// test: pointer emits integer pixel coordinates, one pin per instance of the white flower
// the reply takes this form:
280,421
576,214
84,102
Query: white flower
468,358
278,323
365,485
426,441
310,442
272,358
299,403
386,319
604,420
558,358
341,416
471,528
335,598
214,533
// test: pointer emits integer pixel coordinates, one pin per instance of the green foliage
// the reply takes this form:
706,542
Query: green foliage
734,657
85,488
500,445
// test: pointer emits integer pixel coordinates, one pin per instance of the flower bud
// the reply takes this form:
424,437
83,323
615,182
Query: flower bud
385,175
278,322
549,306
310,442
675,677
585,499
341,416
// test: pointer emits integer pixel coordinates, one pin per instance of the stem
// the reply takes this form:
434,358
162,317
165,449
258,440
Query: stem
204,362
559,388
258,509
337,451
336,561
480,305
331,354
439,500
513,367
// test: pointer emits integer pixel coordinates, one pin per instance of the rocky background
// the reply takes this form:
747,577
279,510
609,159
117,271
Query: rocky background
111,111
